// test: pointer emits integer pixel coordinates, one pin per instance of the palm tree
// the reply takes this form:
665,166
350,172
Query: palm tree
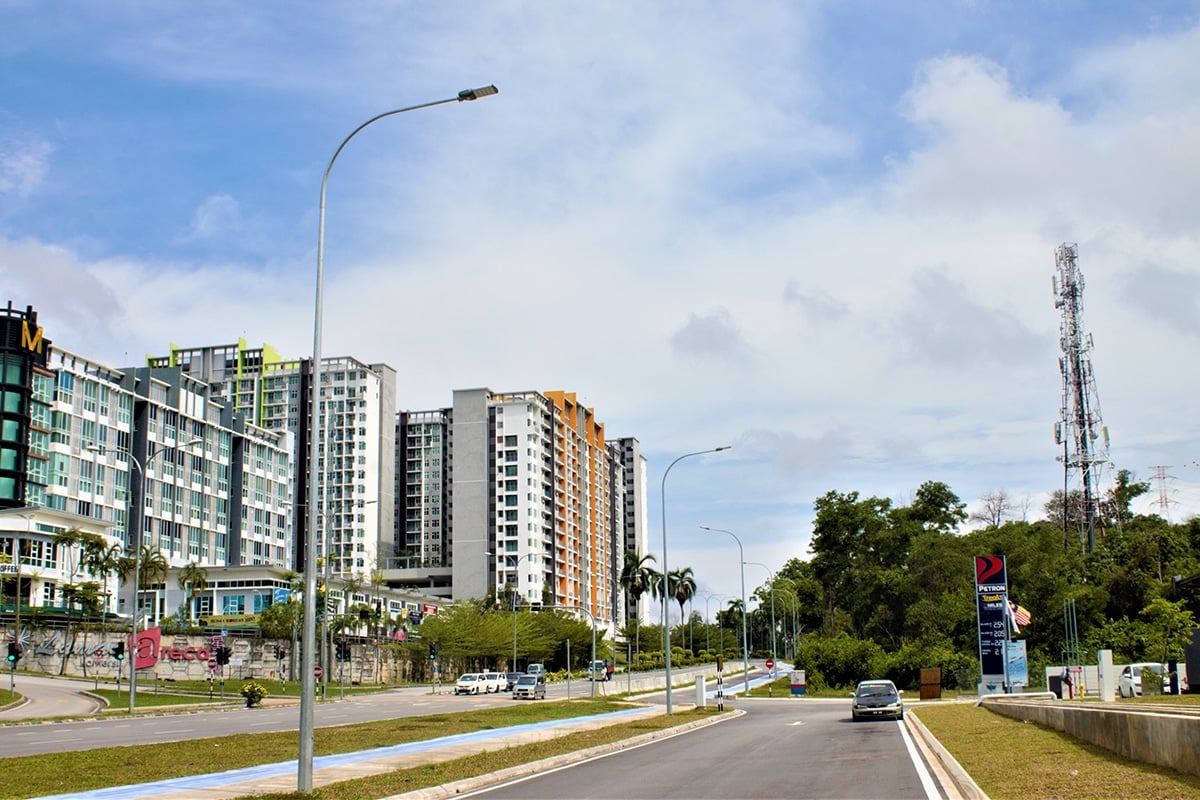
635,579
683,584
193,579
104,562
77,548
152,570
67,541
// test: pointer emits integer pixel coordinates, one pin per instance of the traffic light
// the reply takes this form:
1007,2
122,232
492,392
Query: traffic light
432,651
279,654
118,651
343,651
14,653
222,655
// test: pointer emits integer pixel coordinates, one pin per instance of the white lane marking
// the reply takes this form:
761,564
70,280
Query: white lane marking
797,722
927,782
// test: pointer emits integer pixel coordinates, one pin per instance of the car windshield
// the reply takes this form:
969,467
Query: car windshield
876,690
525,680
467,678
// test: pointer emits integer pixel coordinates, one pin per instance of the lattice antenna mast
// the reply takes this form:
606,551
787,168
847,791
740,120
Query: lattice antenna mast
1081,430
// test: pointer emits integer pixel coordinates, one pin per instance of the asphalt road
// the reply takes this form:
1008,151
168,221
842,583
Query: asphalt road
777,749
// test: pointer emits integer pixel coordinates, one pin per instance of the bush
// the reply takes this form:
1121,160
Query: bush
839,660
254,692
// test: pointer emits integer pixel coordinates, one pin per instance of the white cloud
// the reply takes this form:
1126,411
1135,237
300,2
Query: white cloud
23,163
217,216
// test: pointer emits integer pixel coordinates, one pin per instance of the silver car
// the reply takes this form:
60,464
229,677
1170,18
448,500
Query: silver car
877,699
532,687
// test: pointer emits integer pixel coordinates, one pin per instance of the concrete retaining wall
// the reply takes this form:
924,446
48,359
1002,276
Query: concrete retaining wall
1166,738
680,678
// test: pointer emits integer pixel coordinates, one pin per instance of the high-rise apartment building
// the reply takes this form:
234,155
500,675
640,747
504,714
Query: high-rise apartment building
422,497
356,474
138,454
630,497
516,494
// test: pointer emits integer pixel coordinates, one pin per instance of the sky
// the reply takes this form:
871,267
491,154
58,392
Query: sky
819,233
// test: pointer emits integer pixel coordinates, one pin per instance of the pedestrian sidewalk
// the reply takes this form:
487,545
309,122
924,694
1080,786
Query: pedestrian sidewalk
281,777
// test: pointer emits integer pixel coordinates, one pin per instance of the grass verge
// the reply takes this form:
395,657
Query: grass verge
1012,759
118,702
54,773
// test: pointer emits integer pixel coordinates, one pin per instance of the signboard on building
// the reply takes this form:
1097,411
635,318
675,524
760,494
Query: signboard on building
230,621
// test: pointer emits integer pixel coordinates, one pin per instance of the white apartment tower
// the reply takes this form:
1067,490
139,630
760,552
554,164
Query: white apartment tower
356,473
627,452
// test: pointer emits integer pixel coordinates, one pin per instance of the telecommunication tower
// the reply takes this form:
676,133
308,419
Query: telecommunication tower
1080,429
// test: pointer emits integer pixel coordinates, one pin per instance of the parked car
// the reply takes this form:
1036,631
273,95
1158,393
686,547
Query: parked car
510,680
470,683
877,699
1129,682
493,681
598,670
530,686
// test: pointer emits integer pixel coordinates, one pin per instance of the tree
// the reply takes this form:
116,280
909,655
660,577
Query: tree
998,506
683,588
1125,490
1169,629
68,544
636,577
154,567
193,579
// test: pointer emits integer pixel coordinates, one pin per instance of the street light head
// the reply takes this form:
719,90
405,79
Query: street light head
723,447
475,94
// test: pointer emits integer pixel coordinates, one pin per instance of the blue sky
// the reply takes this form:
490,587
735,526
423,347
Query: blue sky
822,233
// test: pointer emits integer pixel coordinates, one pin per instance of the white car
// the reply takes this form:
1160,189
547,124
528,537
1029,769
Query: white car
494,682
470,683
1129,684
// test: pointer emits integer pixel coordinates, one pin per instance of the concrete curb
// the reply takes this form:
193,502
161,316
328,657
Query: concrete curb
522,770
964,782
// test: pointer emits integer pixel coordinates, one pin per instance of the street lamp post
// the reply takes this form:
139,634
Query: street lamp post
593,661
308,644
135,540
707,632
513,666
666,572
772,573
745,639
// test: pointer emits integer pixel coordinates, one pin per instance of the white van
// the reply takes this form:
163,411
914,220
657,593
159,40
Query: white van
536,669
598,670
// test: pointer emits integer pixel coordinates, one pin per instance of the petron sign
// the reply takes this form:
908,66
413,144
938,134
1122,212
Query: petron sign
991,600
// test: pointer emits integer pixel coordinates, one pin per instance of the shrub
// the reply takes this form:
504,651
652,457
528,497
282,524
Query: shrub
254,692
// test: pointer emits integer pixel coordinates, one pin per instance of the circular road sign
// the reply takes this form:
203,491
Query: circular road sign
770,663
317,672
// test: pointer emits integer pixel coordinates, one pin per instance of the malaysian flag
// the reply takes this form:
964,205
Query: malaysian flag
1018,614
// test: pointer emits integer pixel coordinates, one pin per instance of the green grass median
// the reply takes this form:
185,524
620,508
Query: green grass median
1012,759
